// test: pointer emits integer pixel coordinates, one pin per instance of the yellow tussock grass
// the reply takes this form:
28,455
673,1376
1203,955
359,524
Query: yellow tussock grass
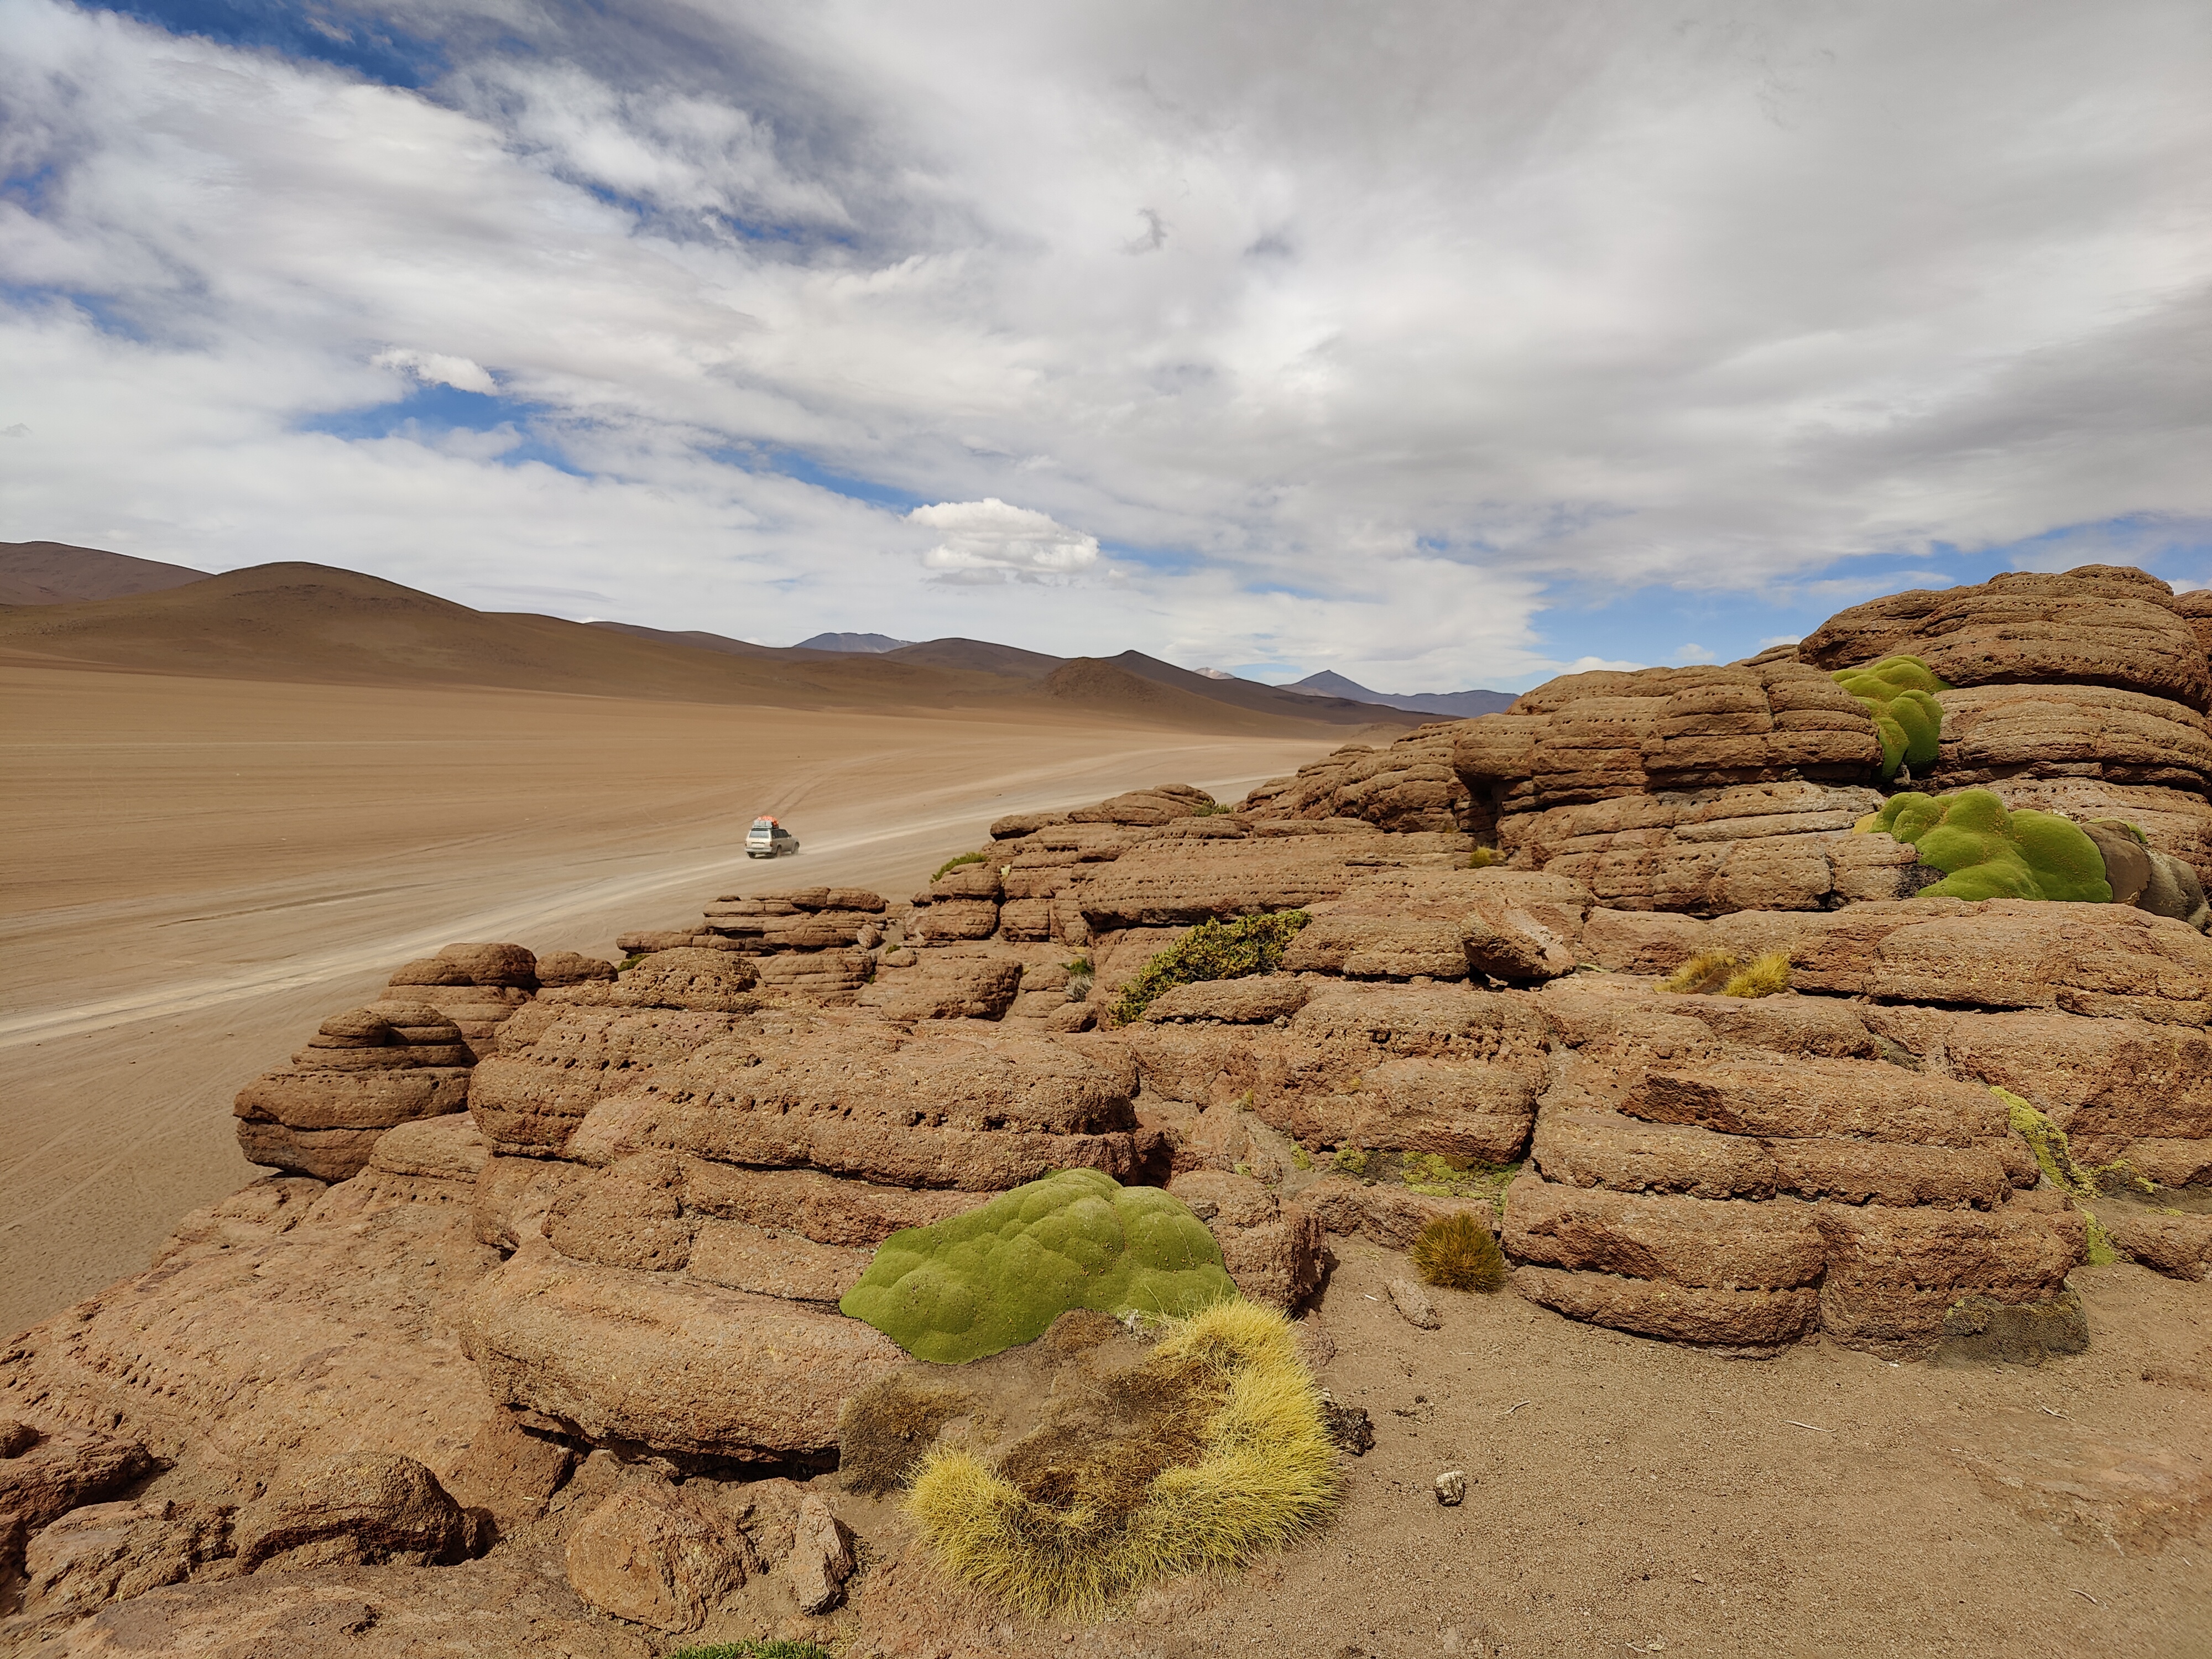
1704,971
1264,1473
1761,977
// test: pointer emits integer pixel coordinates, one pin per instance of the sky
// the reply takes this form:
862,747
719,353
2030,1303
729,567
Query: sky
1439,345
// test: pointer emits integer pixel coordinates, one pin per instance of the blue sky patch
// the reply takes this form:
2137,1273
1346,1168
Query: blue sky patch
327,34
431,412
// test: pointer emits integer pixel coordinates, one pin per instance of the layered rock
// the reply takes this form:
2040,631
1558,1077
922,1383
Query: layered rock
1742,1176
1409,785
819,943
2098,625
1714,789
362,1073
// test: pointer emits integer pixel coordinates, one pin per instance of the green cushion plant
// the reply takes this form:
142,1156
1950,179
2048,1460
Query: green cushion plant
1899,692
973,1284
1987,852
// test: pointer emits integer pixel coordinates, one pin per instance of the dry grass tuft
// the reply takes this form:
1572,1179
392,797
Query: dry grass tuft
1708,971
1760,977
1458,1253
1231,1459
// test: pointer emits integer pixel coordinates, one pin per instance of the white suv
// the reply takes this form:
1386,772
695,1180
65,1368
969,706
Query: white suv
767,838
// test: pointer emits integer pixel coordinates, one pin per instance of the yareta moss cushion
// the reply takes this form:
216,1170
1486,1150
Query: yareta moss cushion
1986,852
1899,692
996,1277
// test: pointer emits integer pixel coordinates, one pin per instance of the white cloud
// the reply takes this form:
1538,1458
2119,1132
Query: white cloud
436,368
1438,306
993,542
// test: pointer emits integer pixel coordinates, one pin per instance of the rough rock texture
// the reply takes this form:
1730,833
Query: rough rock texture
659,1555
351,1509
1765,847
2099,625
1741,1176
1598,736
103,1552
623,1356
821,1558
392,1612
362,1073
1272,1247
1409,784
51,1470
404,1057
568,1313
225,1360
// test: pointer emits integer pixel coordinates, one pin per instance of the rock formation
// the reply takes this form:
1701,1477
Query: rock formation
602,1302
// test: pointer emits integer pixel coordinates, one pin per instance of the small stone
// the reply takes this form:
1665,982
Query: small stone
821,1556
1451,1488
1411,1300
16,1439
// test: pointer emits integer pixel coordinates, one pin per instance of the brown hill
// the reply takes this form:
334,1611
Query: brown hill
698,640
316,624
980,655
1103,685
55,573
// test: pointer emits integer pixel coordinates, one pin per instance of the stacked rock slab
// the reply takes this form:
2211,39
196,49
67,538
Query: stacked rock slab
1710,790
713,1215
1693,789
406,1056
2083,694
1410,784
820,943
361,1073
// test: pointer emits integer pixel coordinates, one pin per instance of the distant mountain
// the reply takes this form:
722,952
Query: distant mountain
54,572
875,644
1457,705
1261,699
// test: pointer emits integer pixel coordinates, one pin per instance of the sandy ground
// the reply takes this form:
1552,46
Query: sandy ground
1631,1497
199,871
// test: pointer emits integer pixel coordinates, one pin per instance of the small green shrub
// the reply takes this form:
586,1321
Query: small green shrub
1899,692
1351,1160
1301,1158
1212,809
1762,977
1213,950
777,1648
1483,857
949,865
1458,1253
